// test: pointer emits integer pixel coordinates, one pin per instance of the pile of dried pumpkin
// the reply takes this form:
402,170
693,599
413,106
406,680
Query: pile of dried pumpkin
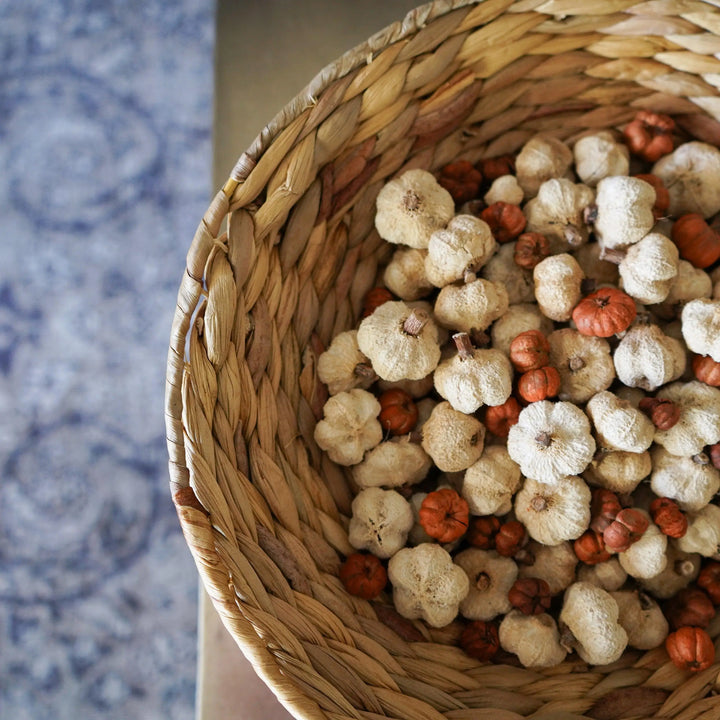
529,408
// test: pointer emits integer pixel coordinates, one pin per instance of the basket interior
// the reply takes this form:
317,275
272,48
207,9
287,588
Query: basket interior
280,264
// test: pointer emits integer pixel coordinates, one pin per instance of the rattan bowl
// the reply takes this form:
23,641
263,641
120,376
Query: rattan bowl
280,264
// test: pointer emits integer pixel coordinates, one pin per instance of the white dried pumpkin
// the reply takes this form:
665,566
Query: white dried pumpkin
649,268
598,156
618,425
541,158
624,211
558,280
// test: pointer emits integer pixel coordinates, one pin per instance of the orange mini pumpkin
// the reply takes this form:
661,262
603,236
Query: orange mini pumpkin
696,241
461,179
374,298
709,580
536,385
604,508
691,606
713,452
605,312
690,648
482,531
668,516
530,249
398,411
495,167
530,350
500,418
706,370
511,536
363,575
480,640
649,135
444,515
531,596
626,529
506,221
663,413
590,548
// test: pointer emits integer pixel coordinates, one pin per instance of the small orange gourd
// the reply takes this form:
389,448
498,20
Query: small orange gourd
506,221
690,648
706,370
482,531
668,516
531,596
461,179
500,418
649,135
480,640
444,515
540,384
663,413
495,167
605,312
590,548
530,350
363,575
530,249
691,606
604,508
696,241
709,580
398,411
511,536
626,529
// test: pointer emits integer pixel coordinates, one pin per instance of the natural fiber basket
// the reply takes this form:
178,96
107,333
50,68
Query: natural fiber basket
280,264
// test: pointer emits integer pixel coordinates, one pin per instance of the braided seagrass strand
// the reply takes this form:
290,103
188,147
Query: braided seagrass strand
280,264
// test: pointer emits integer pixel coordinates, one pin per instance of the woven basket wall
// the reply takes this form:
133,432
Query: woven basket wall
280,264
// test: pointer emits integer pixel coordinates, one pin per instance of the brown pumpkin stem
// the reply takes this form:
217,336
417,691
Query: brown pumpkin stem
415,436
576,363
685,568
701,459
524,557
544,438
412,201
573,236
469,276
612,255
415,322
539,503
483,581
567,639
464,345
364,370
590,214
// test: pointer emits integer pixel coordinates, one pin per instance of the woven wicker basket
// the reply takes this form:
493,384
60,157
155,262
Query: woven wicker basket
280,264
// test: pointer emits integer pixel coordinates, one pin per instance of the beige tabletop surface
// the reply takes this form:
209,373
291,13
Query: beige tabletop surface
266,52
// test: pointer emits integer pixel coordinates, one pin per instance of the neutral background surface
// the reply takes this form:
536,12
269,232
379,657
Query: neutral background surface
267,51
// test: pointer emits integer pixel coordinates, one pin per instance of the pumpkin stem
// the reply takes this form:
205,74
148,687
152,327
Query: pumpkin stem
612,255
576,363
364,370
469,276
483,582
685,568
573,236
464,345
590,214
524,557
567,639
415,322
411,201
544,438
701,459
539,503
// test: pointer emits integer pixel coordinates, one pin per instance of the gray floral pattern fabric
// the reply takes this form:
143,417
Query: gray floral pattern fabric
105,153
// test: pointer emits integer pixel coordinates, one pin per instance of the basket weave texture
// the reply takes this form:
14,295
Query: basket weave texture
280,264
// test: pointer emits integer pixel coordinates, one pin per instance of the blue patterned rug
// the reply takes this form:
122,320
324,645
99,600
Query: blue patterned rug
105,152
